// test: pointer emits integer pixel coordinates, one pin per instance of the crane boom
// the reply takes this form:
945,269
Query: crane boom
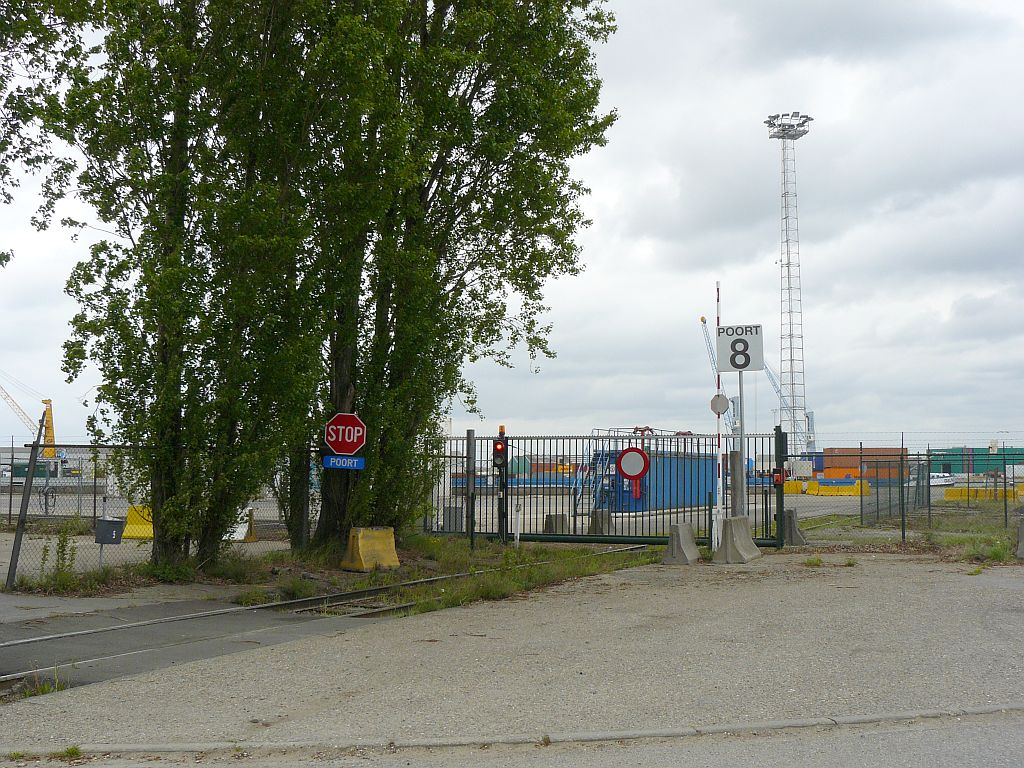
49,437
25,418
729,421
804,431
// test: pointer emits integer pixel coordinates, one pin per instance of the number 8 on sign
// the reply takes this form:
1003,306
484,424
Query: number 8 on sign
740,348
739,357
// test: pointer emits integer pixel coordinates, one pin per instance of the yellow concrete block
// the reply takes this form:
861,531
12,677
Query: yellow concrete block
813,488
139,524
370,548
794,486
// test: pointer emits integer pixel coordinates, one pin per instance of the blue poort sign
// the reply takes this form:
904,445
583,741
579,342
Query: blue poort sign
344,462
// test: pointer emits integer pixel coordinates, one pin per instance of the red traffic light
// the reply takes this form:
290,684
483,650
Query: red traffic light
498,452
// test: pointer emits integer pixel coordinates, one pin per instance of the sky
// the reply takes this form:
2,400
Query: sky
911,202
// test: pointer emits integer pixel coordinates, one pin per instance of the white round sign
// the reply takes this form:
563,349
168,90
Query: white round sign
633,463
719,404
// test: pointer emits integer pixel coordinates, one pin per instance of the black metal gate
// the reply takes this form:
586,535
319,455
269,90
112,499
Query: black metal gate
570,488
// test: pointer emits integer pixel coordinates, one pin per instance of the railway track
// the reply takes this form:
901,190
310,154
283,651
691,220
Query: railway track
66,647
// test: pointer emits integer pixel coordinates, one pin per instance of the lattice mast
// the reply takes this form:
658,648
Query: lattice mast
788,128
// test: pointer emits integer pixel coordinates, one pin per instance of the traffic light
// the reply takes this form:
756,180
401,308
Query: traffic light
499,452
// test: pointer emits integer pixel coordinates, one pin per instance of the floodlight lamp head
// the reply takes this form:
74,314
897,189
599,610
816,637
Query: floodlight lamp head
788,125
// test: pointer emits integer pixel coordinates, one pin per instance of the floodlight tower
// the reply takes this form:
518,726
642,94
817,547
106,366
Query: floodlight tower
788,128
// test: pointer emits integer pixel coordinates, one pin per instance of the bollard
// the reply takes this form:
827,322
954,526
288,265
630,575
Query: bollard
682,548
737,543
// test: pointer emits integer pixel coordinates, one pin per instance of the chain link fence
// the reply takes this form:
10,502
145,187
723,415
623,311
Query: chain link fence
83,513
890,486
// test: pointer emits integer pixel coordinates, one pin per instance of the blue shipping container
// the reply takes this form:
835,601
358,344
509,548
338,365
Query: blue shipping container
674,481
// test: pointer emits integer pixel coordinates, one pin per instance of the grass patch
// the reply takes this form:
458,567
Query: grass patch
989,551
850,562
70,753
978,570
85,584
257,596
529,567
296,588
234,567
831,521
812,562
15,756
170,573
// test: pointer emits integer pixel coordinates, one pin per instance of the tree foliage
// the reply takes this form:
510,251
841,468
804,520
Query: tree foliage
315,206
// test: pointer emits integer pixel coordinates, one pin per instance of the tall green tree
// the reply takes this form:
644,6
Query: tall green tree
39,43
495,97
191,131
313,206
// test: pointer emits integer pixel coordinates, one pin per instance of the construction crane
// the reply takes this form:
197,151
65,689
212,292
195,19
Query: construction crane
730,422
48,433
804,432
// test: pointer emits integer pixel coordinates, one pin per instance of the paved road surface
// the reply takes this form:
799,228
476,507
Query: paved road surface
648,648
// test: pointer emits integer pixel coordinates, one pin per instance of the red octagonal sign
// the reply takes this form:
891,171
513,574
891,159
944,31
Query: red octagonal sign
345,434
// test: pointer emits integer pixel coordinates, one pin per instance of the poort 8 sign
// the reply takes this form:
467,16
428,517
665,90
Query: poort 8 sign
345,434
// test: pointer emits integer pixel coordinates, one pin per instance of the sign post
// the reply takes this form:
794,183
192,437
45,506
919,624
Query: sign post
740,348
345,435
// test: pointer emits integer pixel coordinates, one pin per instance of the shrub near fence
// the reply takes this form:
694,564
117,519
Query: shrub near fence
72,493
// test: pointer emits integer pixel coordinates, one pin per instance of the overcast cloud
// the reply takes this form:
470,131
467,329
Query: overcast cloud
911,195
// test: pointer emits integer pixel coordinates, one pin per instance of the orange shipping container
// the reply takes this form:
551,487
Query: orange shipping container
841,473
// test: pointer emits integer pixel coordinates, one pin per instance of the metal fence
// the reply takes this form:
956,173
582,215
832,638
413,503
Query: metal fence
80,495
886,486
554,488
570,487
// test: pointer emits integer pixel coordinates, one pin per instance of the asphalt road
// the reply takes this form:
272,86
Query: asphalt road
91,658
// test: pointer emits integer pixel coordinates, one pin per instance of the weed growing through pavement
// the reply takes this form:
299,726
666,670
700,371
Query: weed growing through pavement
40,686
812,562
71,753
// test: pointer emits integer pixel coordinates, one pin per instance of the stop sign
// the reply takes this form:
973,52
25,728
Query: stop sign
345,434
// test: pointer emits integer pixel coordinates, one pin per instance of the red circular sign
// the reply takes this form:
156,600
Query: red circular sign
345,434
633,463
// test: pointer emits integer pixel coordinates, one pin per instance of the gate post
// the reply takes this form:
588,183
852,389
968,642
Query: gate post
26,496
471,485
781,449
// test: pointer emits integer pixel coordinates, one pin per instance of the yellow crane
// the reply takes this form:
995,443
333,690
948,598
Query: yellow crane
49,437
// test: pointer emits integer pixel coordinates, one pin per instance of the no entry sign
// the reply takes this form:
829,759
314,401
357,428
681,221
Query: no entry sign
345,434
633,463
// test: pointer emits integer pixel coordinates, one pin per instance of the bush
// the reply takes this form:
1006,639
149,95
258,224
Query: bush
236,568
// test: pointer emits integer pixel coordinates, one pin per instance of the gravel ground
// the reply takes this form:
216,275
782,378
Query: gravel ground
654,647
